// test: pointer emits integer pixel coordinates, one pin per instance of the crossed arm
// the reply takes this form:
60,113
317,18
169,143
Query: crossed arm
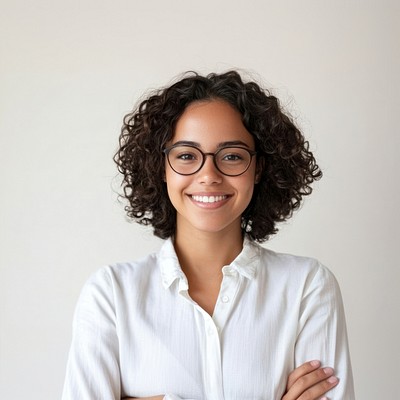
320,310
307,382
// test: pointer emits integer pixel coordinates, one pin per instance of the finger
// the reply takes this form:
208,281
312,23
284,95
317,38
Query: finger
319,389
304,369
307,382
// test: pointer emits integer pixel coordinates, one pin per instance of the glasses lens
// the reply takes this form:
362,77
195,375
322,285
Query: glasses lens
233,160
185,160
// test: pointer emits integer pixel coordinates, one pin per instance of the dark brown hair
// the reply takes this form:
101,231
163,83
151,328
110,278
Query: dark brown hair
288,166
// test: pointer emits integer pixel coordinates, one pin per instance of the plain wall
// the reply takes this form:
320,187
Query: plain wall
70,70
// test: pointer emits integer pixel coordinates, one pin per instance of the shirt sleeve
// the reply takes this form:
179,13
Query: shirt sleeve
93,363
322,331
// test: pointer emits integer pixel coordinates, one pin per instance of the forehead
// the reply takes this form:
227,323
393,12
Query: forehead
211,123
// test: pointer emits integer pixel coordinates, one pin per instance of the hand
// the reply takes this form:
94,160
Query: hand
309,382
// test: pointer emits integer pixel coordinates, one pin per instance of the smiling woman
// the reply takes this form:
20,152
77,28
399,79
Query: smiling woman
287,171
213,164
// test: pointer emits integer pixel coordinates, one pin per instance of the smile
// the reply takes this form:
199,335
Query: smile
209,199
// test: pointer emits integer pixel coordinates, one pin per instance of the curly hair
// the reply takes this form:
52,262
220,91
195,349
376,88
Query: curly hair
288,168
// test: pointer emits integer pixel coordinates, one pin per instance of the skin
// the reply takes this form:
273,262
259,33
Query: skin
208,235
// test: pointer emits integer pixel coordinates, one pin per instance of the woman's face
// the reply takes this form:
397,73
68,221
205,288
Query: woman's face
208,200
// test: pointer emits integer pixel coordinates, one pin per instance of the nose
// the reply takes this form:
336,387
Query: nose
209,174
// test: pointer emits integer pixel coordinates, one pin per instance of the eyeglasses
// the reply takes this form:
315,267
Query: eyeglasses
230,161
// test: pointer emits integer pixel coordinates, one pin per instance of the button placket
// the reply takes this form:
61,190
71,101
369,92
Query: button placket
214,329
212,358
229,288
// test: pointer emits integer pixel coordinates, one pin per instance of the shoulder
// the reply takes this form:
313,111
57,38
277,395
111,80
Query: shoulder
125,280
120,276
300,269
285,261
300,280
135,270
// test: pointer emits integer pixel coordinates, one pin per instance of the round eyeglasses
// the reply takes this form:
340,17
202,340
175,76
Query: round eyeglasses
230,161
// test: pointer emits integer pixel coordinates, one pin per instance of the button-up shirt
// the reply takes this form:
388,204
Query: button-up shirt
137,332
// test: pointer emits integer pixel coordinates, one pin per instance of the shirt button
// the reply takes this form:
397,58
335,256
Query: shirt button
225,299
210,331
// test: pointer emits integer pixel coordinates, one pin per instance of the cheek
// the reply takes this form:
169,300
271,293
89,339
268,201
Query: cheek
175,183
249,194
246,187
248,179
169,175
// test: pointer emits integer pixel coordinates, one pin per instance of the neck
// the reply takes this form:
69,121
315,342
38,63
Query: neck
203,254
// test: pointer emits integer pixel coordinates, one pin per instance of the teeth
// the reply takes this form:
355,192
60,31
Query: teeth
208,199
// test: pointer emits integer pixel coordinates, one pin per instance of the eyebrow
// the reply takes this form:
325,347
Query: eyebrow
220,145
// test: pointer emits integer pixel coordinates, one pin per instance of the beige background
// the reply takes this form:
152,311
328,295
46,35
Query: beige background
70,70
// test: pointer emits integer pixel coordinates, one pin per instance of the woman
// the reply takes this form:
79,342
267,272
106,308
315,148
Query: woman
212,163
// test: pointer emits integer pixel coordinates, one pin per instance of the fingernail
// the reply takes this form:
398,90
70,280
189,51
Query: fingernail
328,371
324,398
333,379
315,363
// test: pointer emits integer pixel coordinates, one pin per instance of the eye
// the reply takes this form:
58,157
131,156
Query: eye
185,157
184,154
232,157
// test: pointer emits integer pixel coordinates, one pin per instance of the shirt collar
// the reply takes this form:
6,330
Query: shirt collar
245,263
169,265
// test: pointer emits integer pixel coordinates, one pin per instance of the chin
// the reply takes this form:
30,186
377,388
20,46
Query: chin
215,228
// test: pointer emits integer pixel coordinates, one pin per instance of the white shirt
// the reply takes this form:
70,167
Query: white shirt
137,332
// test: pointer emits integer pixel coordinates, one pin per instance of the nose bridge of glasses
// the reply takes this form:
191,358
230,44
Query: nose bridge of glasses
213,161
